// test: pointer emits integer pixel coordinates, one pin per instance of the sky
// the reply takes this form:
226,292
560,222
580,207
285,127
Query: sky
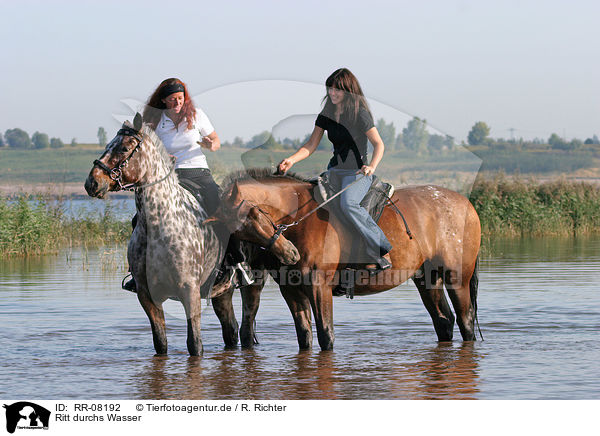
69,67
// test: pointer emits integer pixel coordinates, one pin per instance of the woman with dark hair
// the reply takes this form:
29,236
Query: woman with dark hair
349,124
185,130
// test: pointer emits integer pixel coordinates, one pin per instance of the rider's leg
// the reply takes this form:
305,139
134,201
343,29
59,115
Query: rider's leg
209,191
377,243
130,284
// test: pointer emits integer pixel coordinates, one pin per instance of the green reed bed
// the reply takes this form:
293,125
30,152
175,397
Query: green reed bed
506,207
35,225
514,207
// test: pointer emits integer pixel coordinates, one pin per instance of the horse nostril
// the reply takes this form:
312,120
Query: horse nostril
91,186
294,255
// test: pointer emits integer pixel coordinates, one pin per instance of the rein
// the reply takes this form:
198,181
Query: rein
116,173
279,229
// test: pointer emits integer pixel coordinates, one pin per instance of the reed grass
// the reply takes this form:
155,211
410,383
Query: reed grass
36,226
516,207
510,207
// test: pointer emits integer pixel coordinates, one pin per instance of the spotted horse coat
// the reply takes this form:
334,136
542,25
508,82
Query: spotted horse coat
170,253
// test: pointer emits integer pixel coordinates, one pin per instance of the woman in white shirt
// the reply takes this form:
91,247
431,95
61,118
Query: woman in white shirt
185,130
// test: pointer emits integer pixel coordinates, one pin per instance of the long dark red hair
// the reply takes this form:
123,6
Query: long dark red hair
354,99
155,106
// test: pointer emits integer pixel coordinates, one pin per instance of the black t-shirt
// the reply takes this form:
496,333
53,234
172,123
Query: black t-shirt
348,137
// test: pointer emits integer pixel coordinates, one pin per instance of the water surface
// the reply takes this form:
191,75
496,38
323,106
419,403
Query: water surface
69,332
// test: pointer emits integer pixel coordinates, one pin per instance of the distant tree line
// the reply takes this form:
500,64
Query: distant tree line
18,138
479,136
414,137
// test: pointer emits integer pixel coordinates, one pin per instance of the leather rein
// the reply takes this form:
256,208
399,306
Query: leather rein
116,173
280,228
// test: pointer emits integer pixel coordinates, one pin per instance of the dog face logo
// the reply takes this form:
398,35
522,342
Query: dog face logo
26,415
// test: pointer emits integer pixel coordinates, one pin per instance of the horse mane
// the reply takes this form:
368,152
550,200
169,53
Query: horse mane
259,174
148,131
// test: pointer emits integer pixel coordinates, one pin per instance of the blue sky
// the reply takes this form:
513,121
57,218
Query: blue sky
529,65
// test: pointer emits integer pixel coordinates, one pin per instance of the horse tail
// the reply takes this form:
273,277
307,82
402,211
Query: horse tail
473,288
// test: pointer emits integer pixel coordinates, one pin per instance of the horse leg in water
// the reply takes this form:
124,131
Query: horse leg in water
192,302
156,316
431,290
250,303
463,294
299,306
321,299
223,308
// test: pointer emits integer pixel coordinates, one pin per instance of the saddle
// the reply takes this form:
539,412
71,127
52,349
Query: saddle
375,199
374,202
194,189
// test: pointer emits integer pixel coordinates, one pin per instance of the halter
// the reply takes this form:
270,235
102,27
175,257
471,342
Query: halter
116,173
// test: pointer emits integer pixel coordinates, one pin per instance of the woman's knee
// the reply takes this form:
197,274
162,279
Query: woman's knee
212,198
348,202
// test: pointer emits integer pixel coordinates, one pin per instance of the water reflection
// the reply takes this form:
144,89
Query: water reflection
445,371
554,249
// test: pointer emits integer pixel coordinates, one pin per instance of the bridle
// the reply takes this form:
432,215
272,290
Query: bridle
116,173
279,228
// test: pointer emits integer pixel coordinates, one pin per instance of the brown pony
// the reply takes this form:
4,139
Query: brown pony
443,250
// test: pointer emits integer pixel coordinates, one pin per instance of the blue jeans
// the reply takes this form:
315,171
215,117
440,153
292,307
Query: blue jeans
356,217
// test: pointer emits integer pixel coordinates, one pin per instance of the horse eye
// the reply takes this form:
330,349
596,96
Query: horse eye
125,144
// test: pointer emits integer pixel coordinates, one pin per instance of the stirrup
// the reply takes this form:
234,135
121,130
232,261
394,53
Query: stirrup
381,264
130,285
244,274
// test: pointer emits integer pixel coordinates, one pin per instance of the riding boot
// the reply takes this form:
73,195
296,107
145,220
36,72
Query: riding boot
130,285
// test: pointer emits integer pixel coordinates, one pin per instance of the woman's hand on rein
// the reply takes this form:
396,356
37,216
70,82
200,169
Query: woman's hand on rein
367,170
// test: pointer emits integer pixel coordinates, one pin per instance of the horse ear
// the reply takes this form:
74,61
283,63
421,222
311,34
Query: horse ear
235,193
137,122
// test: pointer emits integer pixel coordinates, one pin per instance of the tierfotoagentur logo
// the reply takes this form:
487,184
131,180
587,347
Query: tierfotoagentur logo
26,416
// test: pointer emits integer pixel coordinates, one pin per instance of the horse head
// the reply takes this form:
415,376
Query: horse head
251,222
117,168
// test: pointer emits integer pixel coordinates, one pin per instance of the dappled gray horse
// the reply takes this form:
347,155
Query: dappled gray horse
171,255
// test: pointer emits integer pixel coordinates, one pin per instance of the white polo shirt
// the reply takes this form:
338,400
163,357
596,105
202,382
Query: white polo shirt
183,143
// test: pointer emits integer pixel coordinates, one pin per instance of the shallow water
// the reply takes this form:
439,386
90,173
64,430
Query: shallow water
69,332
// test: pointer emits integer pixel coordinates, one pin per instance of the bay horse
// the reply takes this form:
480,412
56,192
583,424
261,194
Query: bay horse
441,249
170,254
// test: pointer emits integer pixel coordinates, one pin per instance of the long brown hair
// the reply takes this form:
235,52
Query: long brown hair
155,105
354,99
